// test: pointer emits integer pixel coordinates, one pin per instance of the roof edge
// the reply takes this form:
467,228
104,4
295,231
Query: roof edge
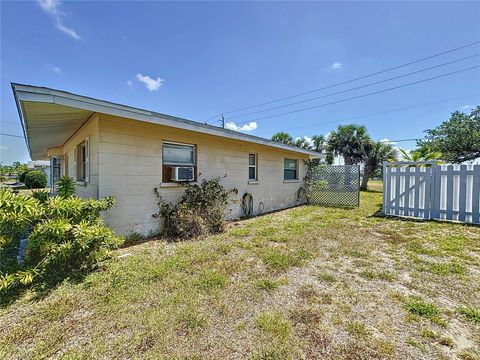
23,92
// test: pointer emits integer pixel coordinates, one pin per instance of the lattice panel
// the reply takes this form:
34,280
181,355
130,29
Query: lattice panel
334,185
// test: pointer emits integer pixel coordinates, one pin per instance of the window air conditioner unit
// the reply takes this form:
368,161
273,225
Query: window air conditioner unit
182,173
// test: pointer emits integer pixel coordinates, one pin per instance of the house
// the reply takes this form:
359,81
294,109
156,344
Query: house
42,165
113,149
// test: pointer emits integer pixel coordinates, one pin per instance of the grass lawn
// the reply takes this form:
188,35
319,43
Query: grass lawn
308,282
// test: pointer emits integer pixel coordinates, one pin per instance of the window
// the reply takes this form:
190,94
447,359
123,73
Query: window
252,167
81,158
290,169
177,155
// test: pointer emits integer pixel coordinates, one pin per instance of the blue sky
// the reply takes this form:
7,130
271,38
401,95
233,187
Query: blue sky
196,60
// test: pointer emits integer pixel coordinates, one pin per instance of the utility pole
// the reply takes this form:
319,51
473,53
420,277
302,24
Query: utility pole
223,122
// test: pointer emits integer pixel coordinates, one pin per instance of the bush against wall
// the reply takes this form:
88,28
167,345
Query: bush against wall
201,211
65,236
36,179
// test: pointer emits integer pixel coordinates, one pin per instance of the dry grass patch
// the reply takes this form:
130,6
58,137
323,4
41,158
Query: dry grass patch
308,282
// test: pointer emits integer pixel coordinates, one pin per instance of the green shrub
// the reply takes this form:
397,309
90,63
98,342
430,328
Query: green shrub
36,179
201,211
41,195
65,186
65,237
22,175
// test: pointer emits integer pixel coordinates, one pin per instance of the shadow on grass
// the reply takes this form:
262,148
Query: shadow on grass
371,191
41,290
380,214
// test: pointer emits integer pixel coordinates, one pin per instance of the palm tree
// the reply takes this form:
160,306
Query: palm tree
349,141
377,153
421,154
283,137
302,143
318,143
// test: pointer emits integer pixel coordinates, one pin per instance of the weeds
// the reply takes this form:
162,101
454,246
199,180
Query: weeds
470,313
273,324
267,284
417,306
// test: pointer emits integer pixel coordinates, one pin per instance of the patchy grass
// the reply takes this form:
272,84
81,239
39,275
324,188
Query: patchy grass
307,282
357,328
274,325
470,313
267,284
418,306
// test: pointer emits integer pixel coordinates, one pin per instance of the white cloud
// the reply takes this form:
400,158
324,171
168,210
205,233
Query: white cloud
52,8
67,30
247,127
336,65
150,83
3,147
54,68
49,6
466,106
129,82
387,140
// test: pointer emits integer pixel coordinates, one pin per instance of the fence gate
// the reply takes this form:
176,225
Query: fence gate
429,191
333,185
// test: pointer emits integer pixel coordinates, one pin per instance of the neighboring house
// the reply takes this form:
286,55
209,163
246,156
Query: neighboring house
42,165
113,149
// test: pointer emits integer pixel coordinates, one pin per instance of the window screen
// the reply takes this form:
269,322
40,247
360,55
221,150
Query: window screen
252,166
174,154
290,169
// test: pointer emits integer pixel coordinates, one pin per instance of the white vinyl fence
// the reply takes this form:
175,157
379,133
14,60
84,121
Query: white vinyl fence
429,191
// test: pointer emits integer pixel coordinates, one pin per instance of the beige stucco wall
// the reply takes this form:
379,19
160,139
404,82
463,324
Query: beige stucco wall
128,165
88,130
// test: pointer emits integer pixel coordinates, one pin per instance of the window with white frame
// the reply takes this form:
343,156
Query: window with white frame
175,154
81,158
290,169
252,167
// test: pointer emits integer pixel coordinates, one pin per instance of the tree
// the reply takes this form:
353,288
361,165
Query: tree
283,137
349,141
318,143
377,153
302,143
458,138
421,154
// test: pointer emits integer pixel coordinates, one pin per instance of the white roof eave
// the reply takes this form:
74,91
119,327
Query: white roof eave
47,95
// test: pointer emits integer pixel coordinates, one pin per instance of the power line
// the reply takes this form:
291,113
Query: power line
378,113
358,87
361,96
395,141
18,136
351,80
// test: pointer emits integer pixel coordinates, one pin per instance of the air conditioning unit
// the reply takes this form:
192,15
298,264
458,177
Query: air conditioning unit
183,173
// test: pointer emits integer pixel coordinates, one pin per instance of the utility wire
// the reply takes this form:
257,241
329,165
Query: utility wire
401,140
377,113
356,88
18,136
351,80
362,96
